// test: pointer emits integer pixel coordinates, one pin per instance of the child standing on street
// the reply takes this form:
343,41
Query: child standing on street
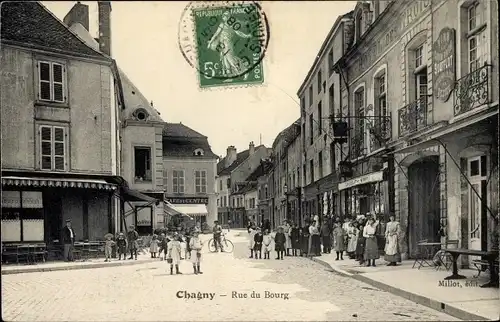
121,243
279,241
164,245
258,239
153,247
251,235
267,239
195,245
174,254
108,246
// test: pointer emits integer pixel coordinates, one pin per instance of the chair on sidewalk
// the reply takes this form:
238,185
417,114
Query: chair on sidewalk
444,259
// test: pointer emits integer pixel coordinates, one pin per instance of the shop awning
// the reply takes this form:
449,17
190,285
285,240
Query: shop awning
195,210
134,195
171,210
58,183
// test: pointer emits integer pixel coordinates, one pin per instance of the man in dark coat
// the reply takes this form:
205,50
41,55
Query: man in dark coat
68,238
326,239
132,237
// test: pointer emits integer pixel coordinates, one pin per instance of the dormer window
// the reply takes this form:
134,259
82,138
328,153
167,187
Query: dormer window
141,114
199,152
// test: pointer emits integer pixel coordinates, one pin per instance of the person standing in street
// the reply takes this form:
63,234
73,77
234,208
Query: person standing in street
304,239
371,247
217,231
108,246
132,237
251,243
391,250
295,239
280,241
352,239
195,245
153,247
174,254
267,240
68,237
121,243
326,239
258,240
339,240
288,244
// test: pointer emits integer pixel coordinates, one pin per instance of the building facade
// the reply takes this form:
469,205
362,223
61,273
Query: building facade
189,170
320,101
59,139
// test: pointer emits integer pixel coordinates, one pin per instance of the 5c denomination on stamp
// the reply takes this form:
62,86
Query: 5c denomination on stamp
225,41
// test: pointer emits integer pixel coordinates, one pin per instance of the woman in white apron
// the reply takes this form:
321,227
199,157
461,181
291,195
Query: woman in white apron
251,242
288,243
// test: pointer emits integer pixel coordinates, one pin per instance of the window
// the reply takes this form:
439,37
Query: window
225,201
266,192
298,176
320,119
311,129
51,79
359,105
333,160
320,80
320,164
217,202
310,95
165,179
228,183
330,62
381,101
359,25
142,158
473,16
52,148
200,181
331,106
419,56
311,169
178,181
198,152
304,171
220,185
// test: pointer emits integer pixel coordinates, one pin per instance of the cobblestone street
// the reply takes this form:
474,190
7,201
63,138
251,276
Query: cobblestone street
147,292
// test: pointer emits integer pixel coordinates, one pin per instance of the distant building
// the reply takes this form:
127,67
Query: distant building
189,168
233,170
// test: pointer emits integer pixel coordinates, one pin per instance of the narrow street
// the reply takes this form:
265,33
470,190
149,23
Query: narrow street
302,290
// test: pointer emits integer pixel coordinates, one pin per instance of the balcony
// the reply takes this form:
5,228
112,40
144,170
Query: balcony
472,90
413,117
358,146
380,132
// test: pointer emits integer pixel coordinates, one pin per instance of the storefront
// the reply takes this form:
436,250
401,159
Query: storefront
34,209
320,198
194,209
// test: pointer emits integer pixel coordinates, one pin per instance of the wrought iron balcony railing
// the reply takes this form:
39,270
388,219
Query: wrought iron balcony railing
413,117
472,90
380,131
358,145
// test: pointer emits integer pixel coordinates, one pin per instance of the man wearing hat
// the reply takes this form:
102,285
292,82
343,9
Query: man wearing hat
217,231
195,244
68,238
132,237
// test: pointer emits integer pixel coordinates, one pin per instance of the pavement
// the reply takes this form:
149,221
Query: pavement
233,287
463,299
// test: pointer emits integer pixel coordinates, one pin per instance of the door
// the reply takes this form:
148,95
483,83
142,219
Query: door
423,202
477,195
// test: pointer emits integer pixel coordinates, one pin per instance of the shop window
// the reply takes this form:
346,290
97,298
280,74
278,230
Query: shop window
51,82
178,181
200,178
53,140
142,159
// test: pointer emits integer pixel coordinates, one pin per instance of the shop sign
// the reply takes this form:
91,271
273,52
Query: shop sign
368,178
188,200
443,57
144,216
11,199
32,199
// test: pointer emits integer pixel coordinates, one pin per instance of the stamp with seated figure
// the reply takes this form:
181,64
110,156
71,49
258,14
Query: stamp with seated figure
225,41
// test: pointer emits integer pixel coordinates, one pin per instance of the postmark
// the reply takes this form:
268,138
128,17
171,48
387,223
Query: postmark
225,41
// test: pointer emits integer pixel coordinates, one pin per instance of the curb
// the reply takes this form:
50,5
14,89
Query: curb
75,267
419,299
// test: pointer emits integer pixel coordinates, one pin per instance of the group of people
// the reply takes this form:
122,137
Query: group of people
361,238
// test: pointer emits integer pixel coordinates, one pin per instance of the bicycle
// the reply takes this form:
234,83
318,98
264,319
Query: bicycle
227,245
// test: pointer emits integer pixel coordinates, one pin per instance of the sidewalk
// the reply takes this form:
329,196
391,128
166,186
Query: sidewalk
61,266
463,299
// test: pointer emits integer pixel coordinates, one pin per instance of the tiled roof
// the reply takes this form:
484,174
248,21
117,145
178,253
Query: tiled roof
240,157
180,130
185,147
32,24
261,170
250,186
288,134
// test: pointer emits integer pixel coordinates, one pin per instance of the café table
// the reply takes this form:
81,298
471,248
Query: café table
425,254
490,256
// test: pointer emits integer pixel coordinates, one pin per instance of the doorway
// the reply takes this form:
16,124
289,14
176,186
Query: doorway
52,204
423,202
477,209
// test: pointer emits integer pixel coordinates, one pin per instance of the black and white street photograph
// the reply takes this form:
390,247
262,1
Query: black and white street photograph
250,160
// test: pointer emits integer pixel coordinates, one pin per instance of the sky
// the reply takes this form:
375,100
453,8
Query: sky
145,46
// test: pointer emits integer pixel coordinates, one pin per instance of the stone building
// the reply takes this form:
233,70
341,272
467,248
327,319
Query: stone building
60,152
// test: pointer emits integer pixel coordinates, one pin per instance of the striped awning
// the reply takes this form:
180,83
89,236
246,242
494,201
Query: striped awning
190,210
58,183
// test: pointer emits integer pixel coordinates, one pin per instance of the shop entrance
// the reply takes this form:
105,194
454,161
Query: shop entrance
423,202
52,203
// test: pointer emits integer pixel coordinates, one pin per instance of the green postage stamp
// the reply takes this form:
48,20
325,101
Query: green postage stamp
230,41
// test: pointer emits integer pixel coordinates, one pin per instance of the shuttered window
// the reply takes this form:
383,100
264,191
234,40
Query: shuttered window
52,148
51,77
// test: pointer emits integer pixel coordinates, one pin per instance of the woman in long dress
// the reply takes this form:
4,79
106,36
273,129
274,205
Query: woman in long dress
371,247
223,42
392,232
288,243
338,240
353,239
251,242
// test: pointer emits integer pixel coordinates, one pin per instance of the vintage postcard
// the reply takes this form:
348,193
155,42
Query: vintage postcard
250,160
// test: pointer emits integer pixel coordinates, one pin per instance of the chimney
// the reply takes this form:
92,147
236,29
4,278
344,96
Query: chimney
251,148
78,14
105,27
230,156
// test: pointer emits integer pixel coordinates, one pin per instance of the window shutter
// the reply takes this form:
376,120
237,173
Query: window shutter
57,78
44,81
59,147
46,148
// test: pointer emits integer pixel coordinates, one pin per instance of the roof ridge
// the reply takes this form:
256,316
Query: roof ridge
69,30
